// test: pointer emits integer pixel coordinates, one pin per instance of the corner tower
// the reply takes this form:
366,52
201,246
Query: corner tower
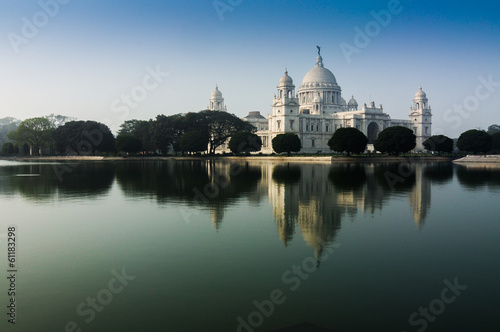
216,102
285,117
421,118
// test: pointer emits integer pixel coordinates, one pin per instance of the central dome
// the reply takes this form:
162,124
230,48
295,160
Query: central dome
319,74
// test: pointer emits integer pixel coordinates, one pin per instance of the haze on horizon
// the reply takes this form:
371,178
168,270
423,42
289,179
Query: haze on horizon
80,58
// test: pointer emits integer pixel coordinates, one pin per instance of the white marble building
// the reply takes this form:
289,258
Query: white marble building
318,109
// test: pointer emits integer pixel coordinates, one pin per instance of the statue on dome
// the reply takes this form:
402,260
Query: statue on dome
319,50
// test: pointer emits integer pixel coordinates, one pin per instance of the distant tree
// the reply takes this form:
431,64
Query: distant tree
83,138
475,141
495,142
493,129
6,126
286,143
245,142
349,140
36,132
193,141
139,129
162,133
439,143
127,143
58,120
8,149
395,140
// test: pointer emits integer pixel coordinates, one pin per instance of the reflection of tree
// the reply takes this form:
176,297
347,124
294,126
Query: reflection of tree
478,176
286,174
439,173
208,184
39,181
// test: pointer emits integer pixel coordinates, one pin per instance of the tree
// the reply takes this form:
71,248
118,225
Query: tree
349,140
8,149
395,140
162,133
221,126
286,143
83,138
496,141
193,141
439,143
6,126
475,141
58,120
139,129
245,142
36,132
128,143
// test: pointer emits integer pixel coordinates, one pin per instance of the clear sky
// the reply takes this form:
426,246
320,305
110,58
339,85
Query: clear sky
81,58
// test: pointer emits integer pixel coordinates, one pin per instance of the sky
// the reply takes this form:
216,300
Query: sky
116,60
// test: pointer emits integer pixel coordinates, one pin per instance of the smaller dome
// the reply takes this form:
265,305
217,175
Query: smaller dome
343,102
353,102
216,93
420,94
317,99
286,80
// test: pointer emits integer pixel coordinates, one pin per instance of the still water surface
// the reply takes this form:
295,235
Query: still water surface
201,245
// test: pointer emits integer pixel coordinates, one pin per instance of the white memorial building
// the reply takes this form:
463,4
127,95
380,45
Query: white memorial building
318,109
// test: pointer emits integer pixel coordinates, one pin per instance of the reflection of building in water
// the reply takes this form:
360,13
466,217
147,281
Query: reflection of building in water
316,203
420,196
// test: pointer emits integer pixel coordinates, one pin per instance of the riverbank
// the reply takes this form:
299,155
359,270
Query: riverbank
471,159
296,159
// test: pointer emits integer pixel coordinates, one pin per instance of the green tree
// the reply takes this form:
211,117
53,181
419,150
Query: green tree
193,141
6,126
36,132
140,129
349,140
221,126
83,138
475,141
128,143
162,132
395,140
286,143
439,143
245,142
8,149
495,141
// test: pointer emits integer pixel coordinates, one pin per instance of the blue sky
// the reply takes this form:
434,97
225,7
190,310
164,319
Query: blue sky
87,54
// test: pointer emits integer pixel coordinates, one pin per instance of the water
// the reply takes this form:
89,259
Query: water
201,245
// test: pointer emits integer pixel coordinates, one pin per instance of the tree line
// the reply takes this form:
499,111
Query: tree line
205,131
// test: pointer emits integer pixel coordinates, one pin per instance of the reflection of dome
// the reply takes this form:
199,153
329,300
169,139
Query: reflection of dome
420,94
319,75
353,102
286,80
216,93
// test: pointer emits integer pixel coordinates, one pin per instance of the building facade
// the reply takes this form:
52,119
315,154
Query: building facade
317,109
